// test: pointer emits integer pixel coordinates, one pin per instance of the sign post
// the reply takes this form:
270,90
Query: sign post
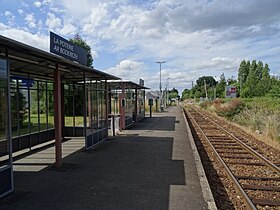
66,49
151,103
141,82
230,92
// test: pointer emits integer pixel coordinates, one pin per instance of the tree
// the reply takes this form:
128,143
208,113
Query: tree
275,87
259,70
18,108
74,94
220,87
197,94
251,81
243,74
82,43
209,80
265,72
38,96
264,84
258,81
231,81
186,94
174,93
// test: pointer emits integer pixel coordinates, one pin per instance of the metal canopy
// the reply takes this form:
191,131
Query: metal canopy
117,85
31,62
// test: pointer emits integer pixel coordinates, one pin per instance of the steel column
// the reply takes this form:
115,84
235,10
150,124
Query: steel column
85,106
122,108
57,117
62,111
135,105
107,103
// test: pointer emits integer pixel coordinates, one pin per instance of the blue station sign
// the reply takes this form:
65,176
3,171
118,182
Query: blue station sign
66,49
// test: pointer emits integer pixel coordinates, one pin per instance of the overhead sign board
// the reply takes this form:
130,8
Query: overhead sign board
66,49
141,82
230,92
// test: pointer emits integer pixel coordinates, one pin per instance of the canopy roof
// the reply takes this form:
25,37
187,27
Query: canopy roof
117,85
31,62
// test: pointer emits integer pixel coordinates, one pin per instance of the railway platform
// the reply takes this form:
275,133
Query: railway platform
153,165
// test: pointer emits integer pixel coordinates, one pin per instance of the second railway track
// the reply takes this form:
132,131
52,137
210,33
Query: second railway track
255,178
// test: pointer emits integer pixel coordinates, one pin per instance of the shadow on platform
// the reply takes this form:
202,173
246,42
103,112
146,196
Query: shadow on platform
164,123
131,172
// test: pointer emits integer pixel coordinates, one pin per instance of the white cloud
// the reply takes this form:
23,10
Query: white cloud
10,17
40,25
36,40
53,21
97,13
30,20
134,70
24,4
196,38
178,78
219,64
8,13
94,55
38,3
20,11
3,27
45,2
67,29
127,69
201,15
83,11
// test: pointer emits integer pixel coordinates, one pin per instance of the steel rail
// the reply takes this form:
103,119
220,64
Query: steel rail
238,187
249,149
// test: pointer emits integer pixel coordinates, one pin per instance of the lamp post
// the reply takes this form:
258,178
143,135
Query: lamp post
167,92
160,94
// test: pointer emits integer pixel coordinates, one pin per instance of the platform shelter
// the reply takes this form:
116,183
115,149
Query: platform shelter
127,102
45,97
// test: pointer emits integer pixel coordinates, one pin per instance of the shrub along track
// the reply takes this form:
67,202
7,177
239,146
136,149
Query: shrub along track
243,175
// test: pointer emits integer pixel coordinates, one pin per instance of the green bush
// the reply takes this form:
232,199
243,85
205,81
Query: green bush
258,114
262,114
205,104
229,109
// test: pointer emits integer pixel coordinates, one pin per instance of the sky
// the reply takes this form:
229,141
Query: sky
194,37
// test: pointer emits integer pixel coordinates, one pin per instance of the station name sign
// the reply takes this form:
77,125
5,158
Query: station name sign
230,92
66,49
141,82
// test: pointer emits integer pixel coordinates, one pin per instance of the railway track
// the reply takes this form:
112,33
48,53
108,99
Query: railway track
255,177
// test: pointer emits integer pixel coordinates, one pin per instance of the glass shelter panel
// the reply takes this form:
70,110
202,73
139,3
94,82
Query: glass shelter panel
129,95
43,105
69,104
34,109
95,113
23,111
31,104
140,104
6,174
14,97
73,109
115,102
79,105
50,106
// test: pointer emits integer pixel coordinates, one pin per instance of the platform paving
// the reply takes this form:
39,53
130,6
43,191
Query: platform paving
149,166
